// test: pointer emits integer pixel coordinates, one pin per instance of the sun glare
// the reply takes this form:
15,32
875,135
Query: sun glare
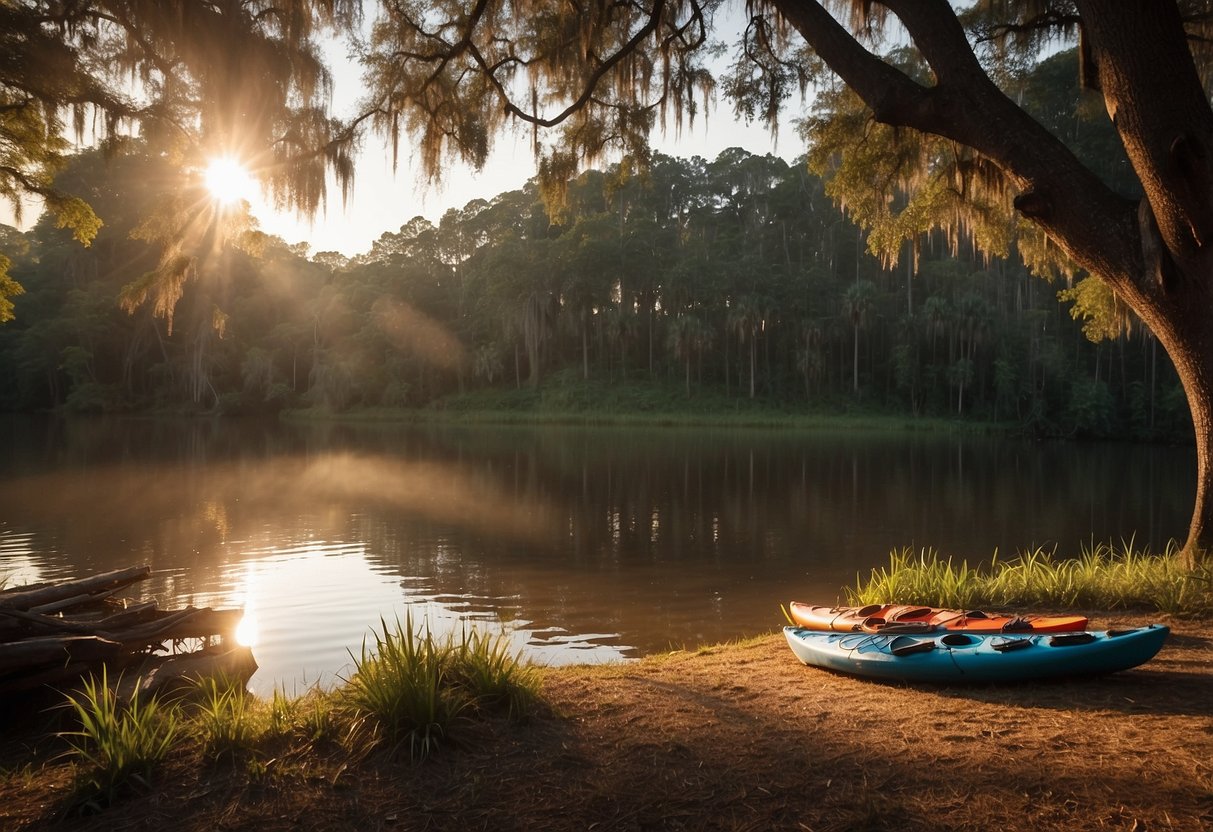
247,630
229,181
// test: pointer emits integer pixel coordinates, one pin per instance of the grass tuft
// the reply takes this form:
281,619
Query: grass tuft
118,744
226,716
414,687
1102,577
492,675
401,684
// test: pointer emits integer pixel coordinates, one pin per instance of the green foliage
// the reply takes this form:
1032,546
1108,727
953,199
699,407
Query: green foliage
9,288
696,288
414,687
402,684
227,716
1103,577
79,216
118,744
1091,409
492,675
900,185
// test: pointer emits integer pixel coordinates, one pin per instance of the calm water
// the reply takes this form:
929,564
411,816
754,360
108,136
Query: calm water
584,545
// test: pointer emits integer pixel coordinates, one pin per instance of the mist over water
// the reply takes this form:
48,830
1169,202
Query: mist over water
582,545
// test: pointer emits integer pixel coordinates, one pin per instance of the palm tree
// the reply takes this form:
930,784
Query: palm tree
747,317
687,336
809,359
857,302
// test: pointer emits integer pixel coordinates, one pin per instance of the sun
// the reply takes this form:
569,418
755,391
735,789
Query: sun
229,181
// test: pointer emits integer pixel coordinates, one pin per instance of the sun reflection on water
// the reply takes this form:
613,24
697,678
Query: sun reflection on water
311,607
246,630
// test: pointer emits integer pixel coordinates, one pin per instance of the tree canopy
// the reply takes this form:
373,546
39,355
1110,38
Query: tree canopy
194,80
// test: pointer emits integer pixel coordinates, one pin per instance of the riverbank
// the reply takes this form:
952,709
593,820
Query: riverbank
747,418
571,401
734,737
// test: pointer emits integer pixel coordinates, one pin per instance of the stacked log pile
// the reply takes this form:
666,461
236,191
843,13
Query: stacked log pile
55,634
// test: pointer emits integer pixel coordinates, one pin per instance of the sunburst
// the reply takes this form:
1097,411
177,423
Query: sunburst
229,181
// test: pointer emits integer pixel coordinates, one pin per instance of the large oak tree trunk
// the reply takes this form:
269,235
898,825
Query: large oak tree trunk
1187,336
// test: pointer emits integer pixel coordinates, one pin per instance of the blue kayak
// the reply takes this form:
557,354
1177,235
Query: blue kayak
969,657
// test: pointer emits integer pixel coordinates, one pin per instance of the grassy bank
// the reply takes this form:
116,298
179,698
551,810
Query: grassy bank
573,401
410,694
1103,577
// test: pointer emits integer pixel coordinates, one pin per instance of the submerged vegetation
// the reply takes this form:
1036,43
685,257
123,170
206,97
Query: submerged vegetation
1102,577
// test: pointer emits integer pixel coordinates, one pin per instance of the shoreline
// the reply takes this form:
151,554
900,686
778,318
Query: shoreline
738,736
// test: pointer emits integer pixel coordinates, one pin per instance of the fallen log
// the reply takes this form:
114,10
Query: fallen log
165,675
54,634
23,598
190,622
76,601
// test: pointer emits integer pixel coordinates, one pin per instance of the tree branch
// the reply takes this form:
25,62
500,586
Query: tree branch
1056,191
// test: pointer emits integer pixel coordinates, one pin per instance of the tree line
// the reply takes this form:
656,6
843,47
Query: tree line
732,281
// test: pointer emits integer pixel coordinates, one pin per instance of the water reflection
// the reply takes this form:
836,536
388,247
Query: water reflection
309,610
583,545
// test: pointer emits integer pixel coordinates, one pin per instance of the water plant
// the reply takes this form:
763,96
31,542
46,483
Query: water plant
118,743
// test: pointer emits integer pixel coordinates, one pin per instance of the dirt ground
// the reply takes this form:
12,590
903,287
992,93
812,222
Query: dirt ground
738,737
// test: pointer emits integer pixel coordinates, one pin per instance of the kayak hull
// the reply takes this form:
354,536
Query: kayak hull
970,657
876,617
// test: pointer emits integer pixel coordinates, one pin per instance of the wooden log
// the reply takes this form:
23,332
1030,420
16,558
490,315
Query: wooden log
134,614
53,634
75,601
163,675
187,623
205,623
37,623
23,598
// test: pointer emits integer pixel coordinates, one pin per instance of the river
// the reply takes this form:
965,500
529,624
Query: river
580,544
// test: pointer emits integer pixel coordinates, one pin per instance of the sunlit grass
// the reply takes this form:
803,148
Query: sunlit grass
409,688
226,716
491,675
1101,577
400,684
413,687
118,744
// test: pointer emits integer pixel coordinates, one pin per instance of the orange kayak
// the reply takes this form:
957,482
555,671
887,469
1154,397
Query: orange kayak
876,618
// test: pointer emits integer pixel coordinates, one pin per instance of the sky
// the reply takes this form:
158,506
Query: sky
383,200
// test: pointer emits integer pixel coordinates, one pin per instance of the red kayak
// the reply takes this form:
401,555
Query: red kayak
876,618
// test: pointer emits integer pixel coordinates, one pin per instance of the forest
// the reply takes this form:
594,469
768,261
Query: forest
733,282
